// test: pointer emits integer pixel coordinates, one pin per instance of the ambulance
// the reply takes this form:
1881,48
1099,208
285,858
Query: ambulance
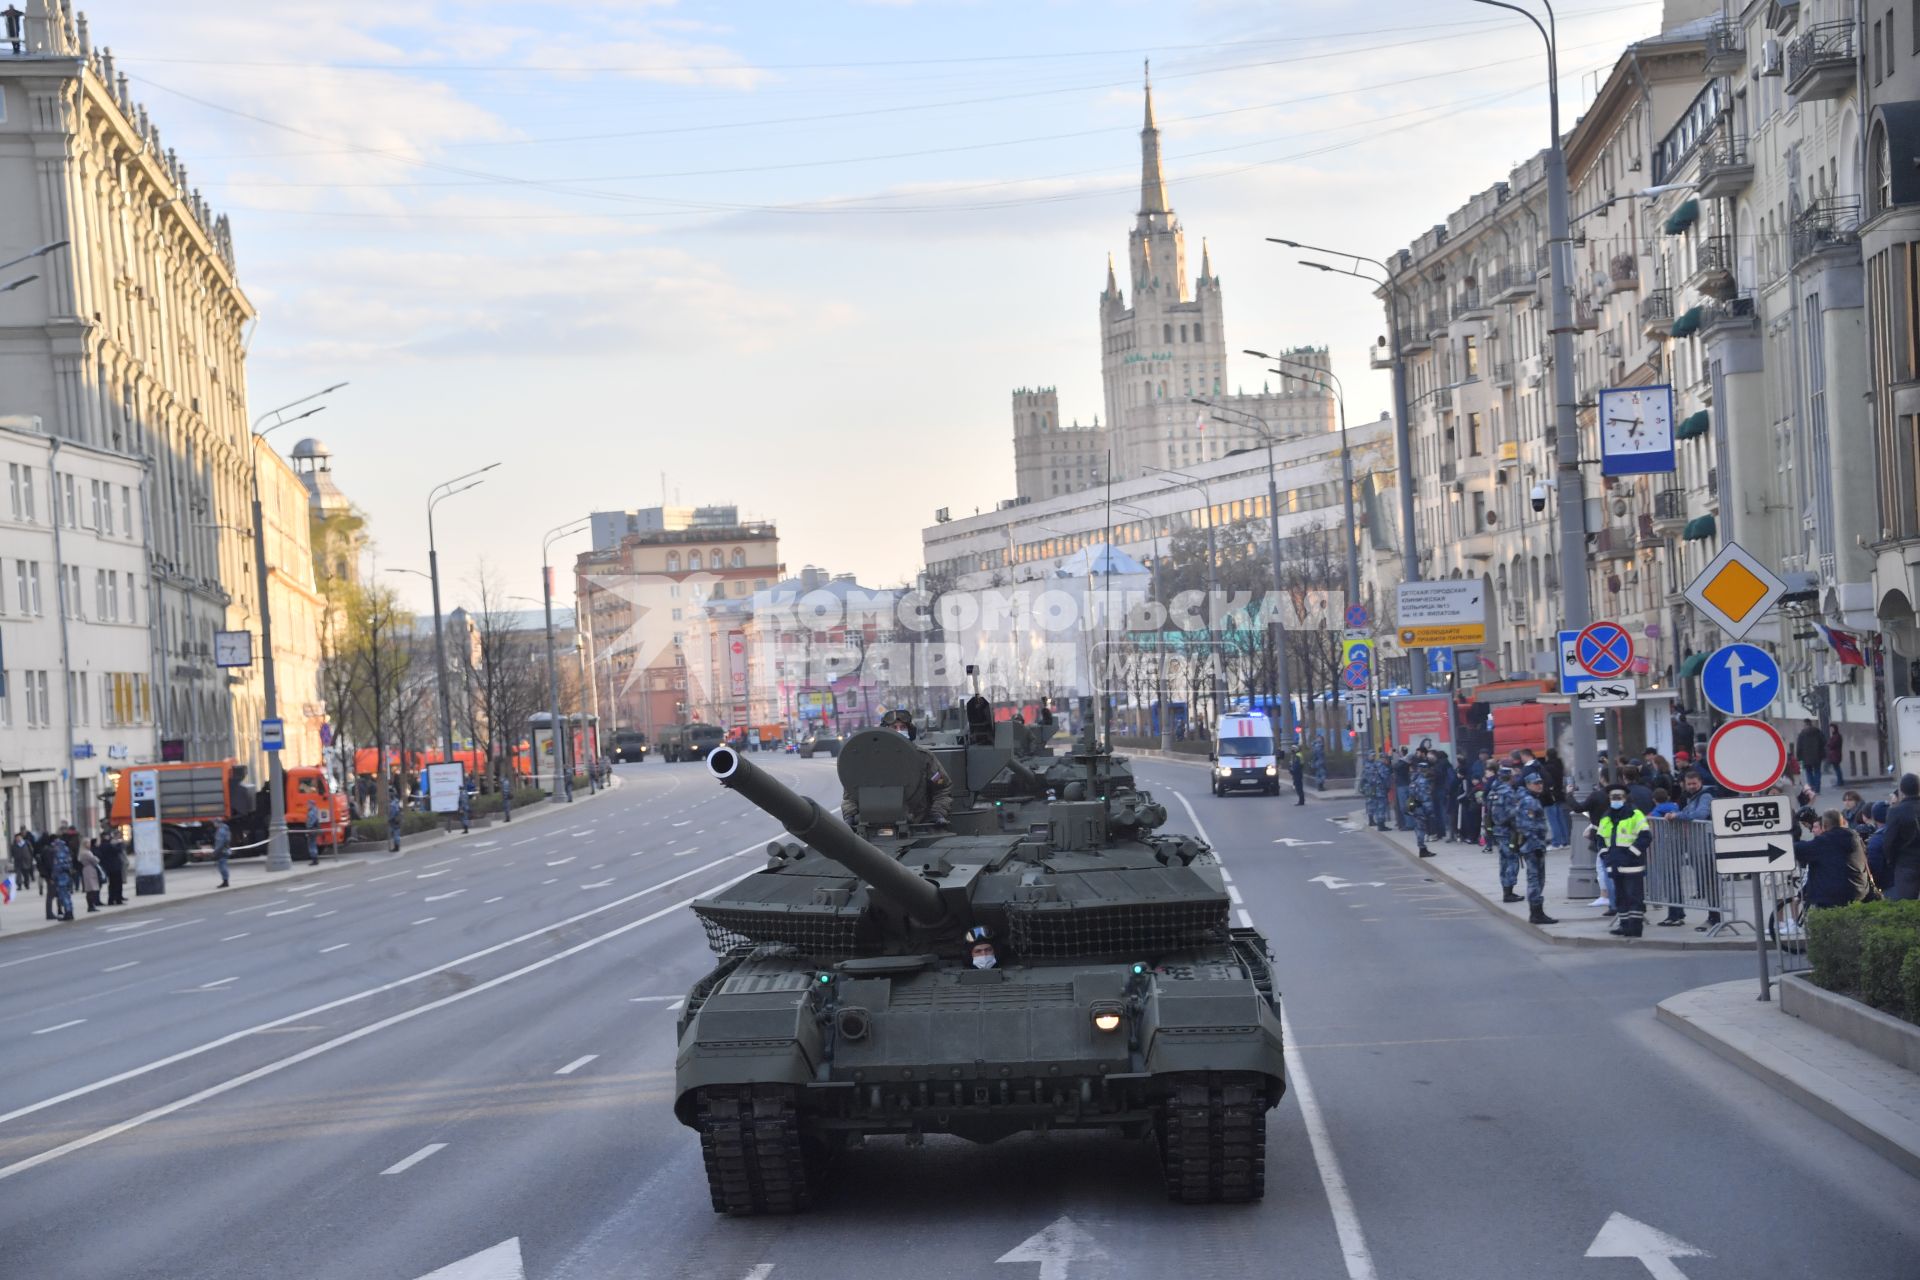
1243,755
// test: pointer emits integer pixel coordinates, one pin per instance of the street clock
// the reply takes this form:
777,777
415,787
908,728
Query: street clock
233,648
1636,430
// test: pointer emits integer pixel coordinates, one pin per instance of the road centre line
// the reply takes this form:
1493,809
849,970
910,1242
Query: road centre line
444,862
576,1064
359,1033
235,937
490,901
428,875
335,947
287,911
324,914
367,994
1245,918
1233,891
209,986
122,928
414,1159
442,897
115,968
59,1026
428,920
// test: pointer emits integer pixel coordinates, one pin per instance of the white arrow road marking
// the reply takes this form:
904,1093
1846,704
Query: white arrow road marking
413,1159
576,1064
1624,1237
598,884
59,1026
442,897
1056,1247
502,1262
1292,843
1335,882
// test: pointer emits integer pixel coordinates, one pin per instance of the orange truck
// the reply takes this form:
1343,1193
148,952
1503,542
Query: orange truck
193,796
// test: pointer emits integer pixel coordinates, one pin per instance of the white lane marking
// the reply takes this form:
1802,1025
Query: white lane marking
681,853
321,893
290,910
414,1159
759,1271
428,920
324,914
596,866
486,844
86,946
555,880
1233,891
209,986
122,928
444,862
576,1064
563,861
335,947
442,897
517,843
683,824
235,937
490,901
390,875
1246,921
653,999
256,906
428,875
59,1026
222,1042
1226,875
502,1262
115,968
598,884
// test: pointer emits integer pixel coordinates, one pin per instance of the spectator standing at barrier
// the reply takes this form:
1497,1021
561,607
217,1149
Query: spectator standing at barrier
1625,835
1836,864
1810,749
1903,841
1695,805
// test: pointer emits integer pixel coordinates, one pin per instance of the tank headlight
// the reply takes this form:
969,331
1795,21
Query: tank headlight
1106,1017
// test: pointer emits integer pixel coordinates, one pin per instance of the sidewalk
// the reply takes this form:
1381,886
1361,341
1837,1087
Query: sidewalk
27,912
1867,1096
1468,868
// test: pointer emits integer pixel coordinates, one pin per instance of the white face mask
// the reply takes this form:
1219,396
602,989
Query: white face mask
983,962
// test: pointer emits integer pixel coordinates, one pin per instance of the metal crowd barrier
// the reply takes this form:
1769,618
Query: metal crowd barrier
1680,873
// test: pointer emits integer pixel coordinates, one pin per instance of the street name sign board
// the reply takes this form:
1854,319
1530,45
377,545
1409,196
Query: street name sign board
1572,674
1746,755
1607,693
1740,679
1441,613
1735,590
1736,816
273,734
1604,649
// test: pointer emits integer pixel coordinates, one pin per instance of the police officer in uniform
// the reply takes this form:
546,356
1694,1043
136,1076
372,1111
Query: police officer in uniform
1376,776
1420,804
1531,836
929,797
1494,822
1625,836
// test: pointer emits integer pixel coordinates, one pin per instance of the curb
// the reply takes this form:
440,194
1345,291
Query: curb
1537,931
1847,1109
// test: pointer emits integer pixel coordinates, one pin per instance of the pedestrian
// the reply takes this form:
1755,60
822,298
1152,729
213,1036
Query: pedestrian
1420,805
1903,841
466,810
113,861
1810,749
1319,762
1402,785
313,825
1297,770
1623,836
90,878
1555,798
1376,780
393,823
1530,835
222,848
60,878
21,851
1836,753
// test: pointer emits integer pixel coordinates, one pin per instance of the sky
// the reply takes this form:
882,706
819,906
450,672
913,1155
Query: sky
791,255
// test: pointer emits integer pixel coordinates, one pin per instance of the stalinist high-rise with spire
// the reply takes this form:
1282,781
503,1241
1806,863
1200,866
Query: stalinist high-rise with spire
1155,357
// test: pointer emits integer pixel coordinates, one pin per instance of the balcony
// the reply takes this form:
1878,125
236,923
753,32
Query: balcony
1669,510
1481,545
1820,64
1623,272
1712,272
1415,338
1656,313
1647,536
1726,168
1735,315
1830,224
1586,316
1443,400
1448,473
1726,49
1516,284
1502,373
1469,305
1380,356
1615,542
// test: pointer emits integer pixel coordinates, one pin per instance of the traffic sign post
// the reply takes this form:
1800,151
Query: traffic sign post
1746,755
1572,674
1607,693
273,734
1735,590
1604,649
1357,617
1355,677
1740,679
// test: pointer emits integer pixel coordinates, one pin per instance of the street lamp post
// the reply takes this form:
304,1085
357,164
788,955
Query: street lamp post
1403,421
562,747
1213,582
439,494
279,856
1283,678
1346,457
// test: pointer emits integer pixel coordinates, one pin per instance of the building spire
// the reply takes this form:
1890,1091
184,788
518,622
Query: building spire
1113,285
1153,187
1206,260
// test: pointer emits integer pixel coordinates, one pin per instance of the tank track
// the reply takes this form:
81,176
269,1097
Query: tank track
750,1140
1213,1138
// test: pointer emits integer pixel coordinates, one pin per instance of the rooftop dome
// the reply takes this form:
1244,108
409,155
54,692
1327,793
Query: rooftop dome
312,447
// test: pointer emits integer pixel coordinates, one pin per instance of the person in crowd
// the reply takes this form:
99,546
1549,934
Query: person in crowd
1624,835
90,878
43,862
1662,803
316,822
1420,805
223,850
113,862
1694,805
1467,823
1402,787
1903,841
1853,809
1877,848
24,863
1376,781
1836,753
60,877
1836,863
1555,797
1810,751
1494,826
1445,782
1682,735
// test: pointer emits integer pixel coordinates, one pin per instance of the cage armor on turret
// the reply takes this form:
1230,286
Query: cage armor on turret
846,1003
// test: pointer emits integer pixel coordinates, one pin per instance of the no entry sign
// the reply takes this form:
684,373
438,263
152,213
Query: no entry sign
1746,755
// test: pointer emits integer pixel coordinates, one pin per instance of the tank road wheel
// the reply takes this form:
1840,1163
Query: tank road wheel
750,1139
1213,1137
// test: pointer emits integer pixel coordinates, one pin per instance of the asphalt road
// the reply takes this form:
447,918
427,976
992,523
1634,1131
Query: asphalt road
463,1058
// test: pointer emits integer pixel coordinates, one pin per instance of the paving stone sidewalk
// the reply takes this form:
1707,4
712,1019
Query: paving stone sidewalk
1867,1096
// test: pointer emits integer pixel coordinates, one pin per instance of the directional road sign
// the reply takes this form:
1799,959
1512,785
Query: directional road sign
1604,650
1359,715
1607,693
1735,590
1440,661
1357,617
1747,755
1572,674
1357,649
1740,679
1355,676
1744,856
273,734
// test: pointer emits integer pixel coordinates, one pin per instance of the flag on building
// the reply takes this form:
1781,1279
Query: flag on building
1845,646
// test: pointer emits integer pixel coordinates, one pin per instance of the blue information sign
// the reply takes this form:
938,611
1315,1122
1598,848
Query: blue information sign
1740,679
273,735
1572,675
1440,661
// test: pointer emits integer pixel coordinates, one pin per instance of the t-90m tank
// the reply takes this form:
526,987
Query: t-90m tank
847,1001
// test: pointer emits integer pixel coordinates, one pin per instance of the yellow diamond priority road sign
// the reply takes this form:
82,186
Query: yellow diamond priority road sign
1735,590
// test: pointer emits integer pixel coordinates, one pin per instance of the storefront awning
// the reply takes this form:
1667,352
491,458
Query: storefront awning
1683,217
1699,527
1686,322
1691,664
1694,425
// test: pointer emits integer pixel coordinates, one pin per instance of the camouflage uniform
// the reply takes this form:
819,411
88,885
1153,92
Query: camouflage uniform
1376,778
928,798
1498,801
63,879
1531,834
1420,808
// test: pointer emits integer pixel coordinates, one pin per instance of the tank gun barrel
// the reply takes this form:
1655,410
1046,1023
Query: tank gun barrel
803,817
1035,785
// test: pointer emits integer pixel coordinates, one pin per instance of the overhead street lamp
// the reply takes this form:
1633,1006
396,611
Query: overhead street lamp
1195,483
1327,379
279,856
42,252
440,493
562,745
1283,677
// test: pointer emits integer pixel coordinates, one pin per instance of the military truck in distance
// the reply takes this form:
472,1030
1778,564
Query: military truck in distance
844,1005
681,742
628,746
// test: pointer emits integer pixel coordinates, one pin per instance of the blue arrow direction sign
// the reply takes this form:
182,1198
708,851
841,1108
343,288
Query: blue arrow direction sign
1740,679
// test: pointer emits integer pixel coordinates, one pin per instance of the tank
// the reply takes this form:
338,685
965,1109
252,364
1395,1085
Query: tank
845,1004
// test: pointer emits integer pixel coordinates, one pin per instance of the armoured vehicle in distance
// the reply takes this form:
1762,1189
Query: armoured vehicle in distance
681,742
844,1004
